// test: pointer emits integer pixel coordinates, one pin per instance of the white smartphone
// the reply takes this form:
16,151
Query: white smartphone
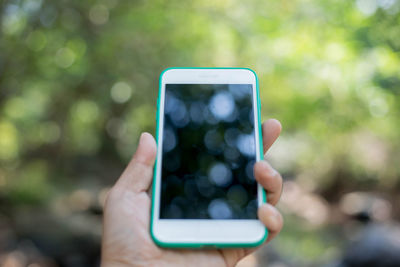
208,139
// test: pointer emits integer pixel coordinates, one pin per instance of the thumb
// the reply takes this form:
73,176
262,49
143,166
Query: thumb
138,174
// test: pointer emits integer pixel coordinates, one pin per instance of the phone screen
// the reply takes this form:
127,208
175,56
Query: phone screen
208,152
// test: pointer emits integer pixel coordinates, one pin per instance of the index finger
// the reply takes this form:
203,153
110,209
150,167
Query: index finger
270,130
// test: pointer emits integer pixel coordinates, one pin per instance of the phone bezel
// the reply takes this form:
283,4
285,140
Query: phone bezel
200,232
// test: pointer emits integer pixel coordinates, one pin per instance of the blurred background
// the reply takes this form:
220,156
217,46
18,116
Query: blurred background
78,84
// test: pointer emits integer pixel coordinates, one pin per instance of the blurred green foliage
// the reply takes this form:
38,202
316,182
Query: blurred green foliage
78,83
80,78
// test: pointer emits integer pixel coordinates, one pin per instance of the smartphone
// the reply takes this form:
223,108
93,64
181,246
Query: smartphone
208,139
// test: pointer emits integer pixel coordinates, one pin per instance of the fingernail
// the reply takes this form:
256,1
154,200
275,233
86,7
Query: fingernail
272,172
268,169
141,138
145,151
273,217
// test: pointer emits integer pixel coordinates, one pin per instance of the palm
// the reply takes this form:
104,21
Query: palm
129,234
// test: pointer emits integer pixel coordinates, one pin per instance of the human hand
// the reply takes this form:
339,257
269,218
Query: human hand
126,237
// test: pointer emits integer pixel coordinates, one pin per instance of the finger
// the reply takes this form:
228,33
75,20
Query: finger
270,179
139,172
233,255
271,130
271,218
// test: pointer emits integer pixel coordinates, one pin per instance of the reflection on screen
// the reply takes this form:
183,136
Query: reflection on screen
208,152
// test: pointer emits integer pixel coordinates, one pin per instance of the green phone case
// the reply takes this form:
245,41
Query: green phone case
264,196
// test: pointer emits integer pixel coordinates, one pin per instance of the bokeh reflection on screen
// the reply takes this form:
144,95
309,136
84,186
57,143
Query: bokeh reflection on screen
208,152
